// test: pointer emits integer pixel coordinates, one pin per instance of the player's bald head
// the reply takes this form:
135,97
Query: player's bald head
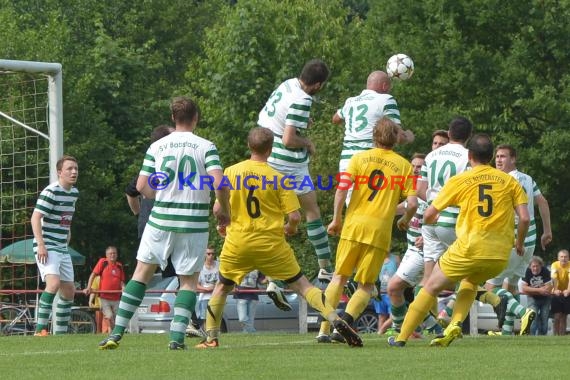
481,148
378,81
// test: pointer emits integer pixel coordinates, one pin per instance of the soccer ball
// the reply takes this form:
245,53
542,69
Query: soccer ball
400,66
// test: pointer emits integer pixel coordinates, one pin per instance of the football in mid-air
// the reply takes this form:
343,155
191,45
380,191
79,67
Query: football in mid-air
400,66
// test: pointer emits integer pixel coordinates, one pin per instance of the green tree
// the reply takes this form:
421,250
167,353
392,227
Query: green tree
253,47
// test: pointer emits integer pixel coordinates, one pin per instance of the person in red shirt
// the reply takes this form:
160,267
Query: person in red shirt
112,277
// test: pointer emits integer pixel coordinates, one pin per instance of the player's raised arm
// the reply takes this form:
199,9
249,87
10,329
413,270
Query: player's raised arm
337,119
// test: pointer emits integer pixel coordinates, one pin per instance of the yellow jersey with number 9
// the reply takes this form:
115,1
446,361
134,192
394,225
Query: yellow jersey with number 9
381,179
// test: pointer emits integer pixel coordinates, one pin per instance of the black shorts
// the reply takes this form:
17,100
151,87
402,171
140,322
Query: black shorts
560,304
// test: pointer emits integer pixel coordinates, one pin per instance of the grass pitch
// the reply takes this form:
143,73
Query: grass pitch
282,356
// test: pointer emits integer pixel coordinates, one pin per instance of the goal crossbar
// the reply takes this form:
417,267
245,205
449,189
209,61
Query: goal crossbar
55,107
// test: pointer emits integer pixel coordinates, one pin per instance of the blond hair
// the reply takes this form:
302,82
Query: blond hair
386,133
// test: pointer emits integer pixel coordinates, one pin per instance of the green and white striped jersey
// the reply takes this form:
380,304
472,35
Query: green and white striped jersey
181,161
531,189
287,105
440,165
57,205
360,114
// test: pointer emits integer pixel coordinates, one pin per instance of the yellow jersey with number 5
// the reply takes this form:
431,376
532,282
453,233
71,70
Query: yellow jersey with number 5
486,198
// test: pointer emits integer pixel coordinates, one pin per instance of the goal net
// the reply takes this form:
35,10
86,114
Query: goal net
31,142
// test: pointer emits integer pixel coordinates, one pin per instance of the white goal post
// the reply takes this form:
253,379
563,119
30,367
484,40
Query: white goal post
55,104
31,142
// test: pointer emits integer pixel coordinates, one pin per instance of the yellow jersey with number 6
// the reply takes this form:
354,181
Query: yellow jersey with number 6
260,197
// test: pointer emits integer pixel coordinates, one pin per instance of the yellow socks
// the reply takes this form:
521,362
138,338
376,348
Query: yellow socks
416,314
357,303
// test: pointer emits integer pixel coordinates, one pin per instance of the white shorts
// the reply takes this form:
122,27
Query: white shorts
516,268
186,250
411,268
436,241
57,263
300,179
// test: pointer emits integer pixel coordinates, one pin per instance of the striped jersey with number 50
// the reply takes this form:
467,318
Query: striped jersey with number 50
180,163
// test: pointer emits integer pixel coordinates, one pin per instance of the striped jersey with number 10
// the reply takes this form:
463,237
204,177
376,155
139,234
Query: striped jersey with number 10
287,105
361,113
440,165
57,205
182,202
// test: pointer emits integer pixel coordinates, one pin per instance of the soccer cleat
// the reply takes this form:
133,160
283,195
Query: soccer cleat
526,321
205,344
392,342
392,331
324,275
192,331
501,309
494,333
349,335
42,332
110,343
336,337
175,346
451,332
324,338
278,297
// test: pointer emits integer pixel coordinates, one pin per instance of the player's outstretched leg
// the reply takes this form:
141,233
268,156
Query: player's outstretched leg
130,300
349,335
278,297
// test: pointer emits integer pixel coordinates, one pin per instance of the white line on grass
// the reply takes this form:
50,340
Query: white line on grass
261,344
39,352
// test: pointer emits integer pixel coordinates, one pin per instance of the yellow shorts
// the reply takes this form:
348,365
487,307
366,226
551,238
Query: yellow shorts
277,261
476,271
365,259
